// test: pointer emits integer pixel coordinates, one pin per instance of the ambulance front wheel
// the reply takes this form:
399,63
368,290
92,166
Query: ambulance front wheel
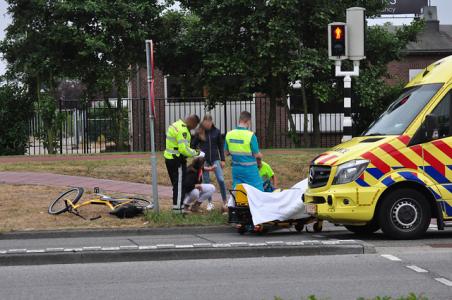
404,214
318,226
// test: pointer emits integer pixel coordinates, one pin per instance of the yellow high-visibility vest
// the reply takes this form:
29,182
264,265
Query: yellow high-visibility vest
178,140
239,146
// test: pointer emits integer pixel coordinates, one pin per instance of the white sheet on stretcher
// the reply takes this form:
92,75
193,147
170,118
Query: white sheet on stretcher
285,205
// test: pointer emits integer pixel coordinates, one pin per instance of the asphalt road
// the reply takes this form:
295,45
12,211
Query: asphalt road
421,266
432,239
328,277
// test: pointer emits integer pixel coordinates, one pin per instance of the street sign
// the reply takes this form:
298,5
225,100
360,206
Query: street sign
401,7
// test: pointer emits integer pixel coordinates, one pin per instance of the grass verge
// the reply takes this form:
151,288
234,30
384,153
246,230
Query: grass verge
411,296
290,166
168,219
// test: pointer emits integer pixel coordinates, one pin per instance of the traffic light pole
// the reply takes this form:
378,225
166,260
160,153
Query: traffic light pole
347,123
346,41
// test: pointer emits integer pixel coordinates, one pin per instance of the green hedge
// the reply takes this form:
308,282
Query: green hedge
15,112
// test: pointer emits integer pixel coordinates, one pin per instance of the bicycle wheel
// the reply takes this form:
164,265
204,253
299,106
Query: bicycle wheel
142,203
59,205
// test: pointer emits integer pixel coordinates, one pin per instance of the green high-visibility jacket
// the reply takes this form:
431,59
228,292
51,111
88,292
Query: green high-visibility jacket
178,139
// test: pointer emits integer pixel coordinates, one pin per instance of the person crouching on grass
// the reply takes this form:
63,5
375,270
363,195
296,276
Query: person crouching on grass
196,191
267,175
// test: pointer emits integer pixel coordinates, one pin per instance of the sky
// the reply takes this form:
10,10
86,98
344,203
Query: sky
444,14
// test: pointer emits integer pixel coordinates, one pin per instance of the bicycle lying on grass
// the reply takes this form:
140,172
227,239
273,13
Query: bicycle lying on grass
120,207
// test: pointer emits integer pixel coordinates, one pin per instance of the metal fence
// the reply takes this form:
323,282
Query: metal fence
117,126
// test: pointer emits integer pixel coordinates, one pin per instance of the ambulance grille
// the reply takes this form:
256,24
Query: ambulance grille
318,176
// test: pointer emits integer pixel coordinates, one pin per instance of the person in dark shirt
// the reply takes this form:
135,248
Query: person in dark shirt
209,139
196,192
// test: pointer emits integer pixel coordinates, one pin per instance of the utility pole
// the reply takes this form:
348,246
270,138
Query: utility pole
150,73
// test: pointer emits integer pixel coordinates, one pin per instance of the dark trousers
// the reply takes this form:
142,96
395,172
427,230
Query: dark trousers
177,168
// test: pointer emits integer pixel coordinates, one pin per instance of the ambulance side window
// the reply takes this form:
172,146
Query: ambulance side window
442,114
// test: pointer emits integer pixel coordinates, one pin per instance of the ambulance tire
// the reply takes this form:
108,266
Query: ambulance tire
404,214
317,227
369,228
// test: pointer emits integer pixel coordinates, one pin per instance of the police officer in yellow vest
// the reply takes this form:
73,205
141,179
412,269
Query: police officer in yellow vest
242,145
177,151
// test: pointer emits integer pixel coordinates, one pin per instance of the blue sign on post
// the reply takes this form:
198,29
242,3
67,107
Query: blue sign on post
402,7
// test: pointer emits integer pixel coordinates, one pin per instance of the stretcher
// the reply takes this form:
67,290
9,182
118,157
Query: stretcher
240,214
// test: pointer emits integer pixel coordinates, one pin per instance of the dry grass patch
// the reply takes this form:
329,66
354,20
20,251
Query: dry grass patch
24,207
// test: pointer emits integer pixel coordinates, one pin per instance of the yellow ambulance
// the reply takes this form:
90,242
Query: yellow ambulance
397,176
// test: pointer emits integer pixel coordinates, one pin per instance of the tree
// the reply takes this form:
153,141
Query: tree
95,42
112,35
15,112
268,44
178,52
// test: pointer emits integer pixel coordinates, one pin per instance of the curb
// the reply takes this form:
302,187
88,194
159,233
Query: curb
14,257
74,233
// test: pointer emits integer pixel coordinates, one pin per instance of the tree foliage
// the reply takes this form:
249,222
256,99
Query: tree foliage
268,44
94,42
15,111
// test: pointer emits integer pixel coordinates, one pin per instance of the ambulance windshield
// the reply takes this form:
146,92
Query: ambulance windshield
400,114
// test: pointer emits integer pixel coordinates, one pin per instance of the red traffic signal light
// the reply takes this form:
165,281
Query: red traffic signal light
338,33
337,43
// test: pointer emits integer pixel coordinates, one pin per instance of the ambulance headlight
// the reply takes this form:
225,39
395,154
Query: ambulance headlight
350,171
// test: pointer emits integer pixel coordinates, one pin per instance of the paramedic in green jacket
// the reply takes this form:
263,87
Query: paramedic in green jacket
177,151
241,144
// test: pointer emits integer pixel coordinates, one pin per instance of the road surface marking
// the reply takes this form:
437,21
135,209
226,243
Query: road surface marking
391,257
444,281
36,251
92,248
417,269
184,246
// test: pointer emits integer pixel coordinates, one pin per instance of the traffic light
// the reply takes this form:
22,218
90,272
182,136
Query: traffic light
337,41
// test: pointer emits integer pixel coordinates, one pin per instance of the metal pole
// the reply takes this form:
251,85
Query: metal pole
150,73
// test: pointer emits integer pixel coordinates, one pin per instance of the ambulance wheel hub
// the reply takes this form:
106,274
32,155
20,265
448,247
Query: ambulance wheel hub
405,213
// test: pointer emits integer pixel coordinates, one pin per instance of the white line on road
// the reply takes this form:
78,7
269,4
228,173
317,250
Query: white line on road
444,281
391,257
417,269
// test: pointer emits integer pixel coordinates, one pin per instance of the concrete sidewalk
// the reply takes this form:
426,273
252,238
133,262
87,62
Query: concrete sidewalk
165,244
49,179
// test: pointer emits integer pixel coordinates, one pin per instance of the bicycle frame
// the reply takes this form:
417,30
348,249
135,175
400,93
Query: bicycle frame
110,203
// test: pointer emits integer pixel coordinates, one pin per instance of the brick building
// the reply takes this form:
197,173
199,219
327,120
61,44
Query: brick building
433,43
